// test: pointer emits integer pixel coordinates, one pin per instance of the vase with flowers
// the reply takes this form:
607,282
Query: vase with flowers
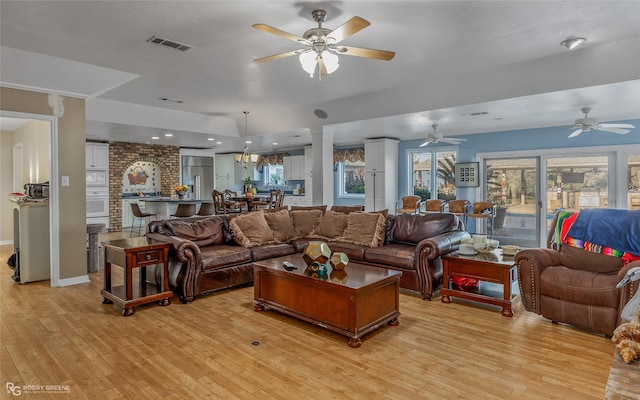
181,190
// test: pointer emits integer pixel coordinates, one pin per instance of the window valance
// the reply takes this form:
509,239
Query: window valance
348,155
274,159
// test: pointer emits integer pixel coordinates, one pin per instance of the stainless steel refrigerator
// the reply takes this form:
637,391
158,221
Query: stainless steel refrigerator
197,172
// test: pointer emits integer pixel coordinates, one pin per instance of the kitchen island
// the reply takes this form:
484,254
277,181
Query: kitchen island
163,207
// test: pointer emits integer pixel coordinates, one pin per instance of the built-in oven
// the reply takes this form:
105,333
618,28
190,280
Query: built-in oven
98,207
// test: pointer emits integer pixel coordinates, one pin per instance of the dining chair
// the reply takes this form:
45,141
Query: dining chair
408,205
234,205
140,216
185,210
435,205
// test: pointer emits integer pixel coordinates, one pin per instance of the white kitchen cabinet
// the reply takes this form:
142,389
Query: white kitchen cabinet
294,167
381,174
295,201
97,156
225,172
308,160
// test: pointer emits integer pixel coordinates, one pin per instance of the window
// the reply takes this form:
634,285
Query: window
274,175
433,172
351,178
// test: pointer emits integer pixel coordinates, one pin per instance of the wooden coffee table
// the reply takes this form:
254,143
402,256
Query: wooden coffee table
486,267
352,302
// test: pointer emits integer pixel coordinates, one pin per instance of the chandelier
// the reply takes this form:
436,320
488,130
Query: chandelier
246,159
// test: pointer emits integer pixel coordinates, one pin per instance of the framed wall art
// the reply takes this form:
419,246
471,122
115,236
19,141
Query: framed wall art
466,174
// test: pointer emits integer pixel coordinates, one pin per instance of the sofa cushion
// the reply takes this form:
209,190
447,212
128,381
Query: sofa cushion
322,208
581,287
266,251
574,257
251,229
281,225
365,228
331,225
355,252
346,209
224,255
202,232
305,220
413,228
398,255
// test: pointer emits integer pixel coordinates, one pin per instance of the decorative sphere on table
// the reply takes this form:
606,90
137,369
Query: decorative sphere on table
316,252
339,260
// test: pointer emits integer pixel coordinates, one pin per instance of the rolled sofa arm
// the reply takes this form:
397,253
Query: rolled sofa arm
183,249
530,264
436,246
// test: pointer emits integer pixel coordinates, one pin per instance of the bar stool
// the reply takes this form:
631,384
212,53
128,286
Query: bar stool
141,216
484,210
185,210
206,209
460,208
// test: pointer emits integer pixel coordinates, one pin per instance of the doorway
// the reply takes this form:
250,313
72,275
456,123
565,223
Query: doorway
52,166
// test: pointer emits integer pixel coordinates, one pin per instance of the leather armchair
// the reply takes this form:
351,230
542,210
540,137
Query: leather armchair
574,286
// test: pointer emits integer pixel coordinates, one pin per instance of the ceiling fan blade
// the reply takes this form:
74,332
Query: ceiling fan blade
279,56
453,140
425,143
347,29
613,130
364,52
627,126
575,133
276,31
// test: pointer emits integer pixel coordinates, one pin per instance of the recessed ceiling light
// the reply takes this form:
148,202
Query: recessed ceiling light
275,143
218,142
168,134
155,137
211,139
572,43
247,142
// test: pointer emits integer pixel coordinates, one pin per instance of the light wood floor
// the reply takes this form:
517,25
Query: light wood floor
205,350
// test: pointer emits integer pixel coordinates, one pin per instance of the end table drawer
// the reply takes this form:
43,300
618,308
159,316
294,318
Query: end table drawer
149,257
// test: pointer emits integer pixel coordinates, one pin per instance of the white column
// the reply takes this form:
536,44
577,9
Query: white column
322,147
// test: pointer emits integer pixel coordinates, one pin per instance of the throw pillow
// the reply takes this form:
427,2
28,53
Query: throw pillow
202,232
251,229
281,225
366,229
305,220
331,225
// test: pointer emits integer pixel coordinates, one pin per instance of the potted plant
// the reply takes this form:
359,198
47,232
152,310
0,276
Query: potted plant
247,184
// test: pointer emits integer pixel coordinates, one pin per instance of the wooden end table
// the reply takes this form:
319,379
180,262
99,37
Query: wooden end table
138,252
487,267
352,302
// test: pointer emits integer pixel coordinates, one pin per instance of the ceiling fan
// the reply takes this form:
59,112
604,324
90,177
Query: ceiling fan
322,44
586,124
437,138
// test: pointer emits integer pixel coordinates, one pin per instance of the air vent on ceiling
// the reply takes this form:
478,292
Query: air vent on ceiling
169,43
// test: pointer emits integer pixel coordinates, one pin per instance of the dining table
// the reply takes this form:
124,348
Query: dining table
250,199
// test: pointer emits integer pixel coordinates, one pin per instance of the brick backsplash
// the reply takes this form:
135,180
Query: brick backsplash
122,155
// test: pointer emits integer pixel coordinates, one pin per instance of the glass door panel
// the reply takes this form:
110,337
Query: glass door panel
511,183
633,182
575,183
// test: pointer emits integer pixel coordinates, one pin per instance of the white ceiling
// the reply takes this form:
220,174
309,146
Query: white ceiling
452,58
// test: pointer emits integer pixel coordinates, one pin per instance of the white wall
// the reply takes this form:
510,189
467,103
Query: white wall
34,136
6,172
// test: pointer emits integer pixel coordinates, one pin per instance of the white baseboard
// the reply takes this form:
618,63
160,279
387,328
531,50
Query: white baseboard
4,242
74,281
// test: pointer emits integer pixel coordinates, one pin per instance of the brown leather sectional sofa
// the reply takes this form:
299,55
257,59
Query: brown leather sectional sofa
206,255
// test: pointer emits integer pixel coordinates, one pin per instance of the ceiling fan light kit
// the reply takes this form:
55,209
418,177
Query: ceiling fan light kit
572,43
438,137
322,49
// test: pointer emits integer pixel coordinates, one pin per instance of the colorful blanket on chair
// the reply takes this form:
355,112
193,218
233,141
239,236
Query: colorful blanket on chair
602,230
